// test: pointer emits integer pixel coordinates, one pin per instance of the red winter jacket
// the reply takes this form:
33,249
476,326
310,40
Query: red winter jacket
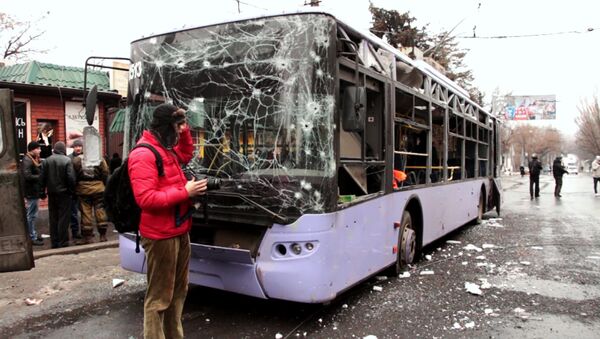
158,197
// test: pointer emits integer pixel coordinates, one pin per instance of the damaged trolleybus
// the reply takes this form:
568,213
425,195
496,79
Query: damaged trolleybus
332,155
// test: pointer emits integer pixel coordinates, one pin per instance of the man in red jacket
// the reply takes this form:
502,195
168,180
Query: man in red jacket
165,221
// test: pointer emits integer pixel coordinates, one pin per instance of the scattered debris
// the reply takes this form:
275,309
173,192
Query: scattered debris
488,311
452,242
472,288
518,310
471,247
428,257
525,263
117,282
426,272
480,257
370,336
456,326
278,336
207,320
537,248
381,278
470,324
45,236
405,274
33,301
377,288
345,306
484,284
485,246
595,257
465,263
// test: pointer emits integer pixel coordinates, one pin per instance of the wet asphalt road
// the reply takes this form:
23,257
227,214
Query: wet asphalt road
538,271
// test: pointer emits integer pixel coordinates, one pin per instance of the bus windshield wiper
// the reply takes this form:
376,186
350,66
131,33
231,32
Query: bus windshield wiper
279,217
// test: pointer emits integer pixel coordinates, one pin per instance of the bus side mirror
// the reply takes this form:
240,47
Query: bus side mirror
90,105
354,108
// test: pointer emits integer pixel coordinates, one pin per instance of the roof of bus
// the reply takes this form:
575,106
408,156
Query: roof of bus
419,64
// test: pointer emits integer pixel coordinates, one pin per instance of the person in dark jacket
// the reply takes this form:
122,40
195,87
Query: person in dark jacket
165,222
58,179
558,170
75,234
535,168
115,162
31,171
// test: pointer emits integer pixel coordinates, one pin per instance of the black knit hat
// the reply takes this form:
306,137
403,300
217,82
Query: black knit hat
32,145
166,114
60,148
77,142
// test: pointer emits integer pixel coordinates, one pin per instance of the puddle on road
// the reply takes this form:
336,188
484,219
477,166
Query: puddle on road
551,326
549,288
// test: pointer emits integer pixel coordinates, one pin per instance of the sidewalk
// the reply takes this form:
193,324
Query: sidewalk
43,228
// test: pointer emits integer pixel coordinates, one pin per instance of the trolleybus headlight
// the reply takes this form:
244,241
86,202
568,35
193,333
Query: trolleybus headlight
296,248
281,249
309,246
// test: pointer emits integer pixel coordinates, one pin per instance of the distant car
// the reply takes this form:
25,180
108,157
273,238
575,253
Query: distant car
572,168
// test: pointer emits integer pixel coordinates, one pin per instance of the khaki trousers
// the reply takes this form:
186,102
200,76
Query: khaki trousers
92,212
167,262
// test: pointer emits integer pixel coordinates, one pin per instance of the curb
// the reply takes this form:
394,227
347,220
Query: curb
75,249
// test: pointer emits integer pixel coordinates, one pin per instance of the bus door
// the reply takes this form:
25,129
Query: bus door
15,245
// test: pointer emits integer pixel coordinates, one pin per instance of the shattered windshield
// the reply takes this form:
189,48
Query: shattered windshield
259,95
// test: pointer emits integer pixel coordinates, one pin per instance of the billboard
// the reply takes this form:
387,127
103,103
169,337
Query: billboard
530,107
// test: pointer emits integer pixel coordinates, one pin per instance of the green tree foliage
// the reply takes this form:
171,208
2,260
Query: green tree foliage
17,38
399,30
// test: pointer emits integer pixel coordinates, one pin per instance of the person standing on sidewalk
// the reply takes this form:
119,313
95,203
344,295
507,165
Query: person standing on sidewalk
31,171
558,170
75,233
596,173
165,220
535,168
90,193
58,179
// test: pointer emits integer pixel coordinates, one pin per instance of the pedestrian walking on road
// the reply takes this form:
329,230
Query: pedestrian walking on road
90,193
558,170
535,168
58,179
596,173
165,219
31,170
75,232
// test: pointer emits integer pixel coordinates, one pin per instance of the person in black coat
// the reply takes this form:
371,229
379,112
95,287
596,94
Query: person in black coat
31,170
58,178
535,168
115,162
558,170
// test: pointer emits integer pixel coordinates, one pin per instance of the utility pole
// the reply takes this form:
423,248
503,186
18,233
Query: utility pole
312,3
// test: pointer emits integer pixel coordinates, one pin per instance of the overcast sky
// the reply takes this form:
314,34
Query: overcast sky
566,65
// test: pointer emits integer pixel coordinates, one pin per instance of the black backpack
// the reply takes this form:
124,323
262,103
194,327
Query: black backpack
119,202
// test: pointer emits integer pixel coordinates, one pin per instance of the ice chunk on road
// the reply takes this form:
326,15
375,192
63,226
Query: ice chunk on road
485,246
472,288
456,326
452,242
471,247
470,324
117,282
488,311
404,275
377,288
426,272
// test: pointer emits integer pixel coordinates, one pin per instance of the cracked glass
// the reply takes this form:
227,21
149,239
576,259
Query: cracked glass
259,96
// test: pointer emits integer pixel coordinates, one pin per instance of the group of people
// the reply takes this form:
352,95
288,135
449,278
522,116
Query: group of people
74,192
558,170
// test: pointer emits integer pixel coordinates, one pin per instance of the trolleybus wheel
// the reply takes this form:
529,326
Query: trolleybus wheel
407,244
480,209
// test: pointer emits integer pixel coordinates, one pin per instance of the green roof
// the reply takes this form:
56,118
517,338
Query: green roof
118,123
37,73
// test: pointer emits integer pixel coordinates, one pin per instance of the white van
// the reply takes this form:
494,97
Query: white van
572,168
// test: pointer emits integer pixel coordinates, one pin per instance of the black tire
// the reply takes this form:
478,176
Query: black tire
407,245
480,209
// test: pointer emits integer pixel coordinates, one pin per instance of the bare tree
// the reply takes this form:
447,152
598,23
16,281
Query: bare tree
526,140
588,122
18,37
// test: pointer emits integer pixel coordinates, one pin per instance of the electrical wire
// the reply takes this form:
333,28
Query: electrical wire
474,36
